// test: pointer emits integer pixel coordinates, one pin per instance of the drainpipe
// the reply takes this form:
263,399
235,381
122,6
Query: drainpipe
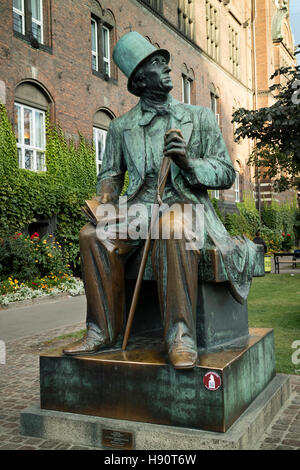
254,81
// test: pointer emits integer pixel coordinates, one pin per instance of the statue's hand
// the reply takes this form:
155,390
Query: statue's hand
175,148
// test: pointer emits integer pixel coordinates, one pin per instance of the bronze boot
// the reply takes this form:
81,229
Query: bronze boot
89,344
182,356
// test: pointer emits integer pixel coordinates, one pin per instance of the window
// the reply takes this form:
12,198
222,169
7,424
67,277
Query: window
28,18
216,194
99,136
212,31
19,16
186,90
102,120
94,44
103,31
101,50
37,19
237,186
30,136
100,47
186,17
234,51
155,4
106,50
215,105
187,81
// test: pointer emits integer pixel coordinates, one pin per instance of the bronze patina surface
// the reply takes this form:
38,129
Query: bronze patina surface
140,385
157,129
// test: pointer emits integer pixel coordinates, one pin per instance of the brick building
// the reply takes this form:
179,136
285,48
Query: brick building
57,55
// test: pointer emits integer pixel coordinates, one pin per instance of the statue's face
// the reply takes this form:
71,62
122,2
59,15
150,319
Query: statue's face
157,73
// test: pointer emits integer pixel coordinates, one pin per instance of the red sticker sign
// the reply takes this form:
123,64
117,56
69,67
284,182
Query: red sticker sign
212,381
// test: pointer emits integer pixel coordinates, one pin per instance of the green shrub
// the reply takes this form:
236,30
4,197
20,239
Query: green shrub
25,258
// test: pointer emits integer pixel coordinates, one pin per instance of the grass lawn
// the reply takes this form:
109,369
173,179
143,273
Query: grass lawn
274,302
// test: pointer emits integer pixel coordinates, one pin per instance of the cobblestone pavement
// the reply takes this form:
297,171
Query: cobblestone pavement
19,388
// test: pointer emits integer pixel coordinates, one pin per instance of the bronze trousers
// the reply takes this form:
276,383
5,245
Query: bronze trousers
176,273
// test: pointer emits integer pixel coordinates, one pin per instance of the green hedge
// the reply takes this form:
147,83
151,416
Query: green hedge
276,220
61,191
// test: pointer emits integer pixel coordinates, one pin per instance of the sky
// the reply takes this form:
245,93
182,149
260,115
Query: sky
295,20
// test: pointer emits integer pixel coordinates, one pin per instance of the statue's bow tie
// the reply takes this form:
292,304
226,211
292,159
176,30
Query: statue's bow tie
150,112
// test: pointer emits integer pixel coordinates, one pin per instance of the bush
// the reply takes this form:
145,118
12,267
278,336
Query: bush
26,258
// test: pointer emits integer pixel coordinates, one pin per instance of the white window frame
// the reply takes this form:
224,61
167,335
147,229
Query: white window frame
237,186
22,146
106,54
97,131
39,22
216,193
22,14
95,52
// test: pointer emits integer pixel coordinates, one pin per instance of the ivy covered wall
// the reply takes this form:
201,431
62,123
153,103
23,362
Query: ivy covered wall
61,190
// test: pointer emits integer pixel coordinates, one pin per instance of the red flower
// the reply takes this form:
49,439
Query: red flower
17,235
34,284
288,235
283,234
35,235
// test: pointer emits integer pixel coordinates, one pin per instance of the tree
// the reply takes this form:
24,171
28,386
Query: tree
277,132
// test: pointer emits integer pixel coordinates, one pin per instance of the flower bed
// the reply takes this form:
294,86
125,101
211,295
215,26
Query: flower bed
11,290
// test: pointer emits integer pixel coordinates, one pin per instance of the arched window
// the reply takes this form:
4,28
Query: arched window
215,103
102,119
103,38
31,105
187,81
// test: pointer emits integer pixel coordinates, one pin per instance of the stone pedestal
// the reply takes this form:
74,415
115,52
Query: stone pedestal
139,385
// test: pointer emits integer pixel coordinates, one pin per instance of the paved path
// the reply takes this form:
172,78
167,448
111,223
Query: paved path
28,318
19,388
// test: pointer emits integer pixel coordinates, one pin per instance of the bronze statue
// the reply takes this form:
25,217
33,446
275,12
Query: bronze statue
137,142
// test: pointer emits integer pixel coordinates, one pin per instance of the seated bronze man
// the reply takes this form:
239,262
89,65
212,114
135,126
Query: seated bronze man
137,142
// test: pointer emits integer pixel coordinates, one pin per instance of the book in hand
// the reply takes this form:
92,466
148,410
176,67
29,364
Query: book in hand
90,211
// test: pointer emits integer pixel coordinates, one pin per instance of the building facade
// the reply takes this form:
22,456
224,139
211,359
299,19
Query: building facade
57,56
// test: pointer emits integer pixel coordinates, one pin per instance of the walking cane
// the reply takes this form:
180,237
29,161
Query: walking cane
162,179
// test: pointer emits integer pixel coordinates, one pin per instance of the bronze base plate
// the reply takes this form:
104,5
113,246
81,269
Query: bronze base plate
140,385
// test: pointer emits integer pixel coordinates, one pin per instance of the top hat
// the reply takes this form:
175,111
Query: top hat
131,51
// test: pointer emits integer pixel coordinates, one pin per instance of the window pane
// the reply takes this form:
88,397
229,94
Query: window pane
27,126
20,157
106,67
40,161
17,120
99,143
105,42
29,159
94,62
94,36
36,9
18,4
37,31
18,26
39,129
